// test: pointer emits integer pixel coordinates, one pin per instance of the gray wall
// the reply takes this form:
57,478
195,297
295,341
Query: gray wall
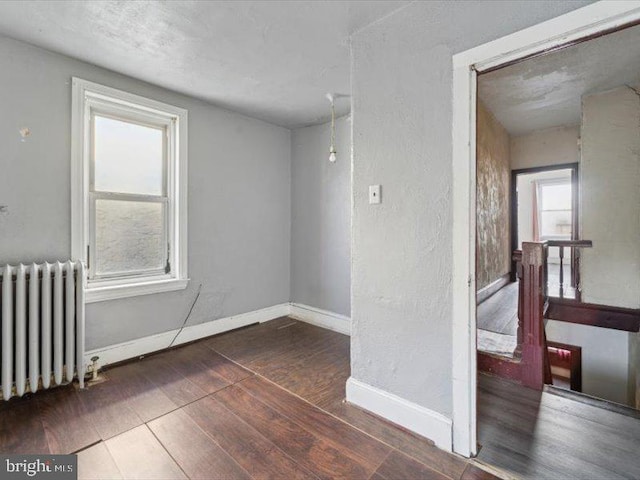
321,218
401,250
239,196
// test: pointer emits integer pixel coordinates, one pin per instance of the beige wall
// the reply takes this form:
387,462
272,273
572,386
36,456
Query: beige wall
493,176
610,217
551,146
610,213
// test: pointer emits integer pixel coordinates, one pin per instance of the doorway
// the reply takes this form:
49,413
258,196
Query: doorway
588,22
545,206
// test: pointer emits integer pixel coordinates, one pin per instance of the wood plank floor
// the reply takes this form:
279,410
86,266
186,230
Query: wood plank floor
499,312
539,435
263,402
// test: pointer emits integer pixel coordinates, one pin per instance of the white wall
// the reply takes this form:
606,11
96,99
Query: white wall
321,218
605,357
551,146
610,213
402,249
239,196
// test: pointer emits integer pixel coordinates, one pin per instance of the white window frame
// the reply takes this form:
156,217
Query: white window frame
90,98
540,184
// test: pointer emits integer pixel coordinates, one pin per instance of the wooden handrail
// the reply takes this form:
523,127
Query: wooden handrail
604,316
570,243
532,271
531,365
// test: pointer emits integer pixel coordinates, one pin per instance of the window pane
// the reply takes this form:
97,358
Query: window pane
556,197
556,224
129,236
128,157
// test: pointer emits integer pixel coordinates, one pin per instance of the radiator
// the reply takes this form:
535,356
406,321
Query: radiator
42,335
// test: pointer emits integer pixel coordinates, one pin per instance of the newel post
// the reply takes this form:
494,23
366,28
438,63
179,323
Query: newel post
532,288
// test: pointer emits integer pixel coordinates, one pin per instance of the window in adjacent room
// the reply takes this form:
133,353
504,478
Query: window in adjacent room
555,219
129,192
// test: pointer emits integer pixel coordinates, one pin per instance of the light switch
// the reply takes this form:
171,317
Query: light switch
374,194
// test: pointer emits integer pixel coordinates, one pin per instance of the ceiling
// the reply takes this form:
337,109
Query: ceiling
270,60
546,91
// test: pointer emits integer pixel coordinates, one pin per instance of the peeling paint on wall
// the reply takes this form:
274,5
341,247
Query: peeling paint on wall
493,172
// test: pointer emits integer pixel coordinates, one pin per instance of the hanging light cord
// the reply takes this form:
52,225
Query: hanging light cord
333,127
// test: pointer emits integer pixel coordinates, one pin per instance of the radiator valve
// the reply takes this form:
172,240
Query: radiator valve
94,368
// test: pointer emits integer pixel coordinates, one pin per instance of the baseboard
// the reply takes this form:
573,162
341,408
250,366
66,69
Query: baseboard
153,343
420,420
493,287
321,318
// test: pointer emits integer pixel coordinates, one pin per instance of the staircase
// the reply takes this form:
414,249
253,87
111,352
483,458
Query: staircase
531,364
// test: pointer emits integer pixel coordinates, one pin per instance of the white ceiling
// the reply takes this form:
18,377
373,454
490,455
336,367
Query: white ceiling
271,60
546,91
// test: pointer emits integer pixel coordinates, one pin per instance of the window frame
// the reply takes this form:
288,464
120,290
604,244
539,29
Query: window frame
547,182
89,99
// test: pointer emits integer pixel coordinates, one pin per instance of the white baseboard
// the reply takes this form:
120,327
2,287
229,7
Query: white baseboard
321,318
160,341
153,343
420,420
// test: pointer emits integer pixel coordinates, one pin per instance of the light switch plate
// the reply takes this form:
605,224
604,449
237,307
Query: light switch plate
375,192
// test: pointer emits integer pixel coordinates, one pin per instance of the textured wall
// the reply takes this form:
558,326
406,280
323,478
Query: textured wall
401,251
321,218
551,146
610,214
493,245
239,196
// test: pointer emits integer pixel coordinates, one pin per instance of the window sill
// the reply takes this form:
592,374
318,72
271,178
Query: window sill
112,292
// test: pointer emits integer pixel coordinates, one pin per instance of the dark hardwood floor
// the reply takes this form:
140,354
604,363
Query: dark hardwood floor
263,402
539,435
266,401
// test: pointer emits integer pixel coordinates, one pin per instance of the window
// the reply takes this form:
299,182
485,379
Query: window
128,192
554,199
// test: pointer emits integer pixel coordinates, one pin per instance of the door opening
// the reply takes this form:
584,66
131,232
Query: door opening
544,206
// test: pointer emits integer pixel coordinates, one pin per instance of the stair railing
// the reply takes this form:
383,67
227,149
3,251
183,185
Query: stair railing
532,272
531,269
574,247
